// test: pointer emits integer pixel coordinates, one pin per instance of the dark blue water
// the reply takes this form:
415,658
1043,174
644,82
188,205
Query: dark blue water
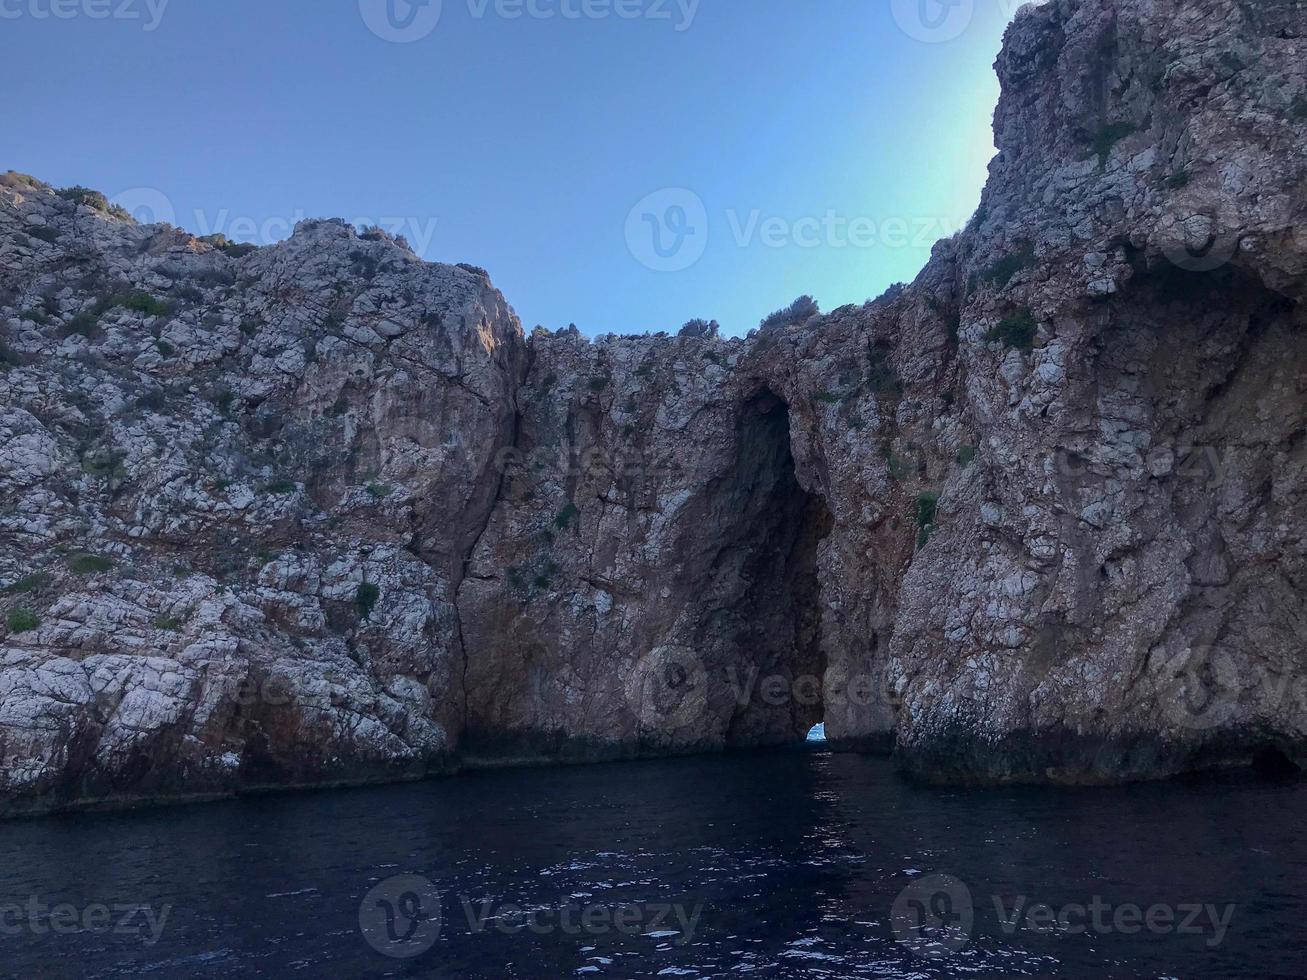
768,865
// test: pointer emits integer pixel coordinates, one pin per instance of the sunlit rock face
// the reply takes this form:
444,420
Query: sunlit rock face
320,512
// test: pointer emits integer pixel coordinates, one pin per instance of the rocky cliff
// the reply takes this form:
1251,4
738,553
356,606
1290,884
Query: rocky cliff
320,512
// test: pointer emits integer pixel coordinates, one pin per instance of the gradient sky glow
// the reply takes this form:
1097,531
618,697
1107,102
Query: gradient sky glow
522,143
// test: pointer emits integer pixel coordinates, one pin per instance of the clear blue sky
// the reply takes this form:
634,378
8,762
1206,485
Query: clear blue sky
522,144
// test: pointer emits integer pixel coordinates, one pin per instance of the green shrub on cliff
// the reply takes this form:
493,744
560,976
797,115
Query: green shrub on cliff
235,250
89,564
12,178
28,583
8,358
94,199
21,621
140,302
1017,330
107,465
566,516
82,325
799,312
281,487
1107,137
366,599
1000,272
926,508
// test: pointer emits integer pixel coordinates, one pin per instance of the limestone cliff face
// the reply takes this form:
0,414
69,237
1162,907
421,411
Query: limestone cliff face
320,512
1115,588
237,498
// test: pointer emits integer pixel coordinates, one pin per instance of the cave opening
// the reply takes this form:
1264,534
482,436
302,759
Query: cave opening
1273,762
778,634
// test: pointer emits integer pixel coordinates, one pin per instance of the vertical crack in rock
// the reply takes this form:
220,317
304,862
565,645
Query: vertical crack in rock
501,464
767,573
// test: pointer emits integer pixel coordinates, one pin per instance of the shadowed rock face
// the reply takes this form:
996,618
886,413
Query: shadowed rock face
321,513
692,549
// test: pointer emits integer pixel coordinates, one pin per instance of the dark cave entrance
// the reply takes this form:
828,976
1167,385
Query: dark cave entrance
778,658
1273,762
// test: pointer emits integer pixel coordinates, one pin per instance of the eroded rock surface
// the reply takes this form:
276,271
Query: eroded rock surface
237,498
320,512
